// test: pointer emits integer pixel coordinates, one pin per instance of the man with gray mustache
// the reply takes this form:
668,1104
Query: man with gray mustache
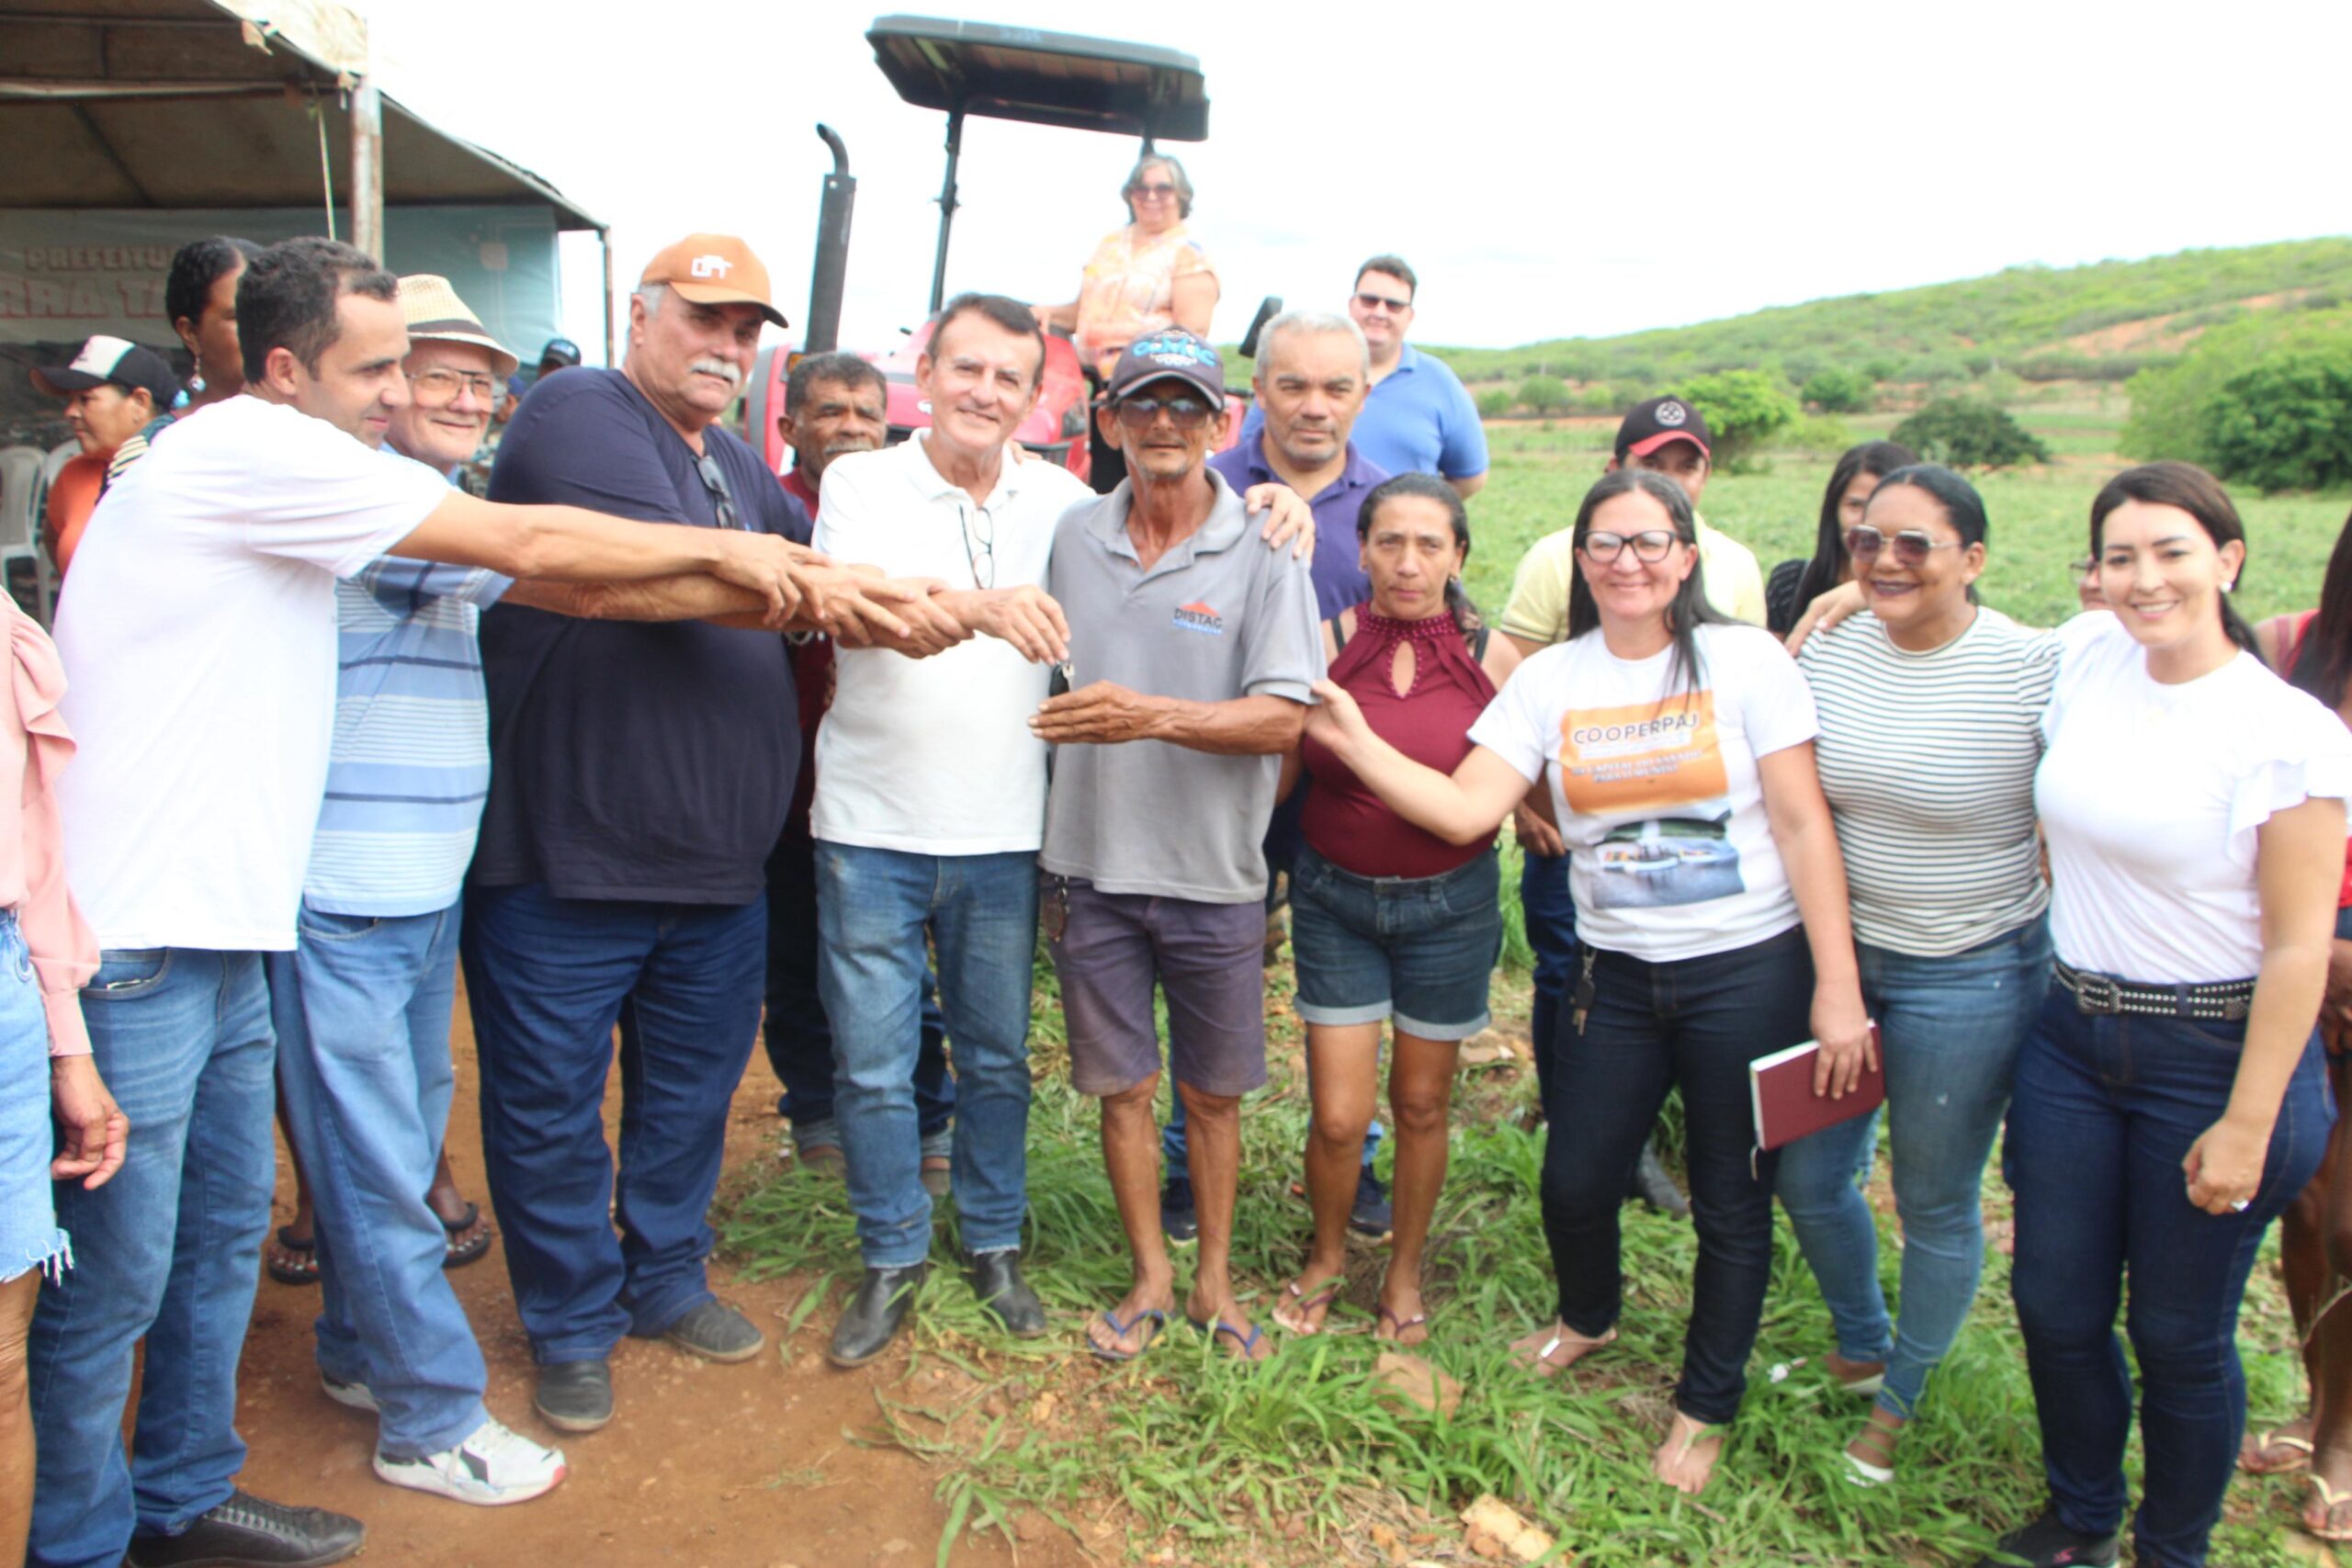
640,776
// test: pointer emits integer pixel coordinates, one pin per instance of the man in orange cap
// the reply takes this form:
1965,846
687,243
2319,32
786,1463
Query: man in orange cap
639,776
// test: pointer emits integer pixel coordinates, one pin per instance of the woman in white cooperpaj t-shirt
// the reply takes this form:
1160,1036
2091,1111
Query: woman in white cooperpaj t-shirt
2170,1100
1680,752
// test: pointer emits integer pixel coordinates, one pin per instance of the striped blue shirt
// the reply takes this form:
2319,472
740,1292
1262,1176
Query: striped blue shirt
411,764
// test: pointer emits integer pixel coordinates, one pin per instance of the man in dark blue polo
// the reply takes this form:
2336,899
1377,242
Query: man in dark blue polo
1314,372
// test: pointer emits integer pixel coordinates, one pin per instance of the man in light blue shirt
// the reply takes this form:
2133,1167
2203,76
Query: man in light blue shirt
1417,418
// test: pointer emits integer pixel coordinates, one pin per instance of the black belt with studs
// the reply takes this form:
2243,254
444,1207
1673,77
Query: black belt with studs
2104,995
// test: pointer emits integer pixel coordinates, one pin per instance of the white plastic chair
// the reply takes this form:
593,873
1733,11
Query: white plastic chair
24,473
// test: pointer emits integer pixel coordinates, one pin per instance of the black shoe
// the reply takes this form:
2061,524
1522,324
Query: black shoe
716,1332
1372,1214
1178,1217
575,1396
996,1280
1653,1186
871,1320
2048,1543
247,1529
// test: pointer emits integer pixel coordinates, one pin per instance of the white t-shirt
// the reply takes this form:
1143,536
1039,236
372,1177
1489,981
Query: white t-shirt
198,634
934,756
2150,795
1656,787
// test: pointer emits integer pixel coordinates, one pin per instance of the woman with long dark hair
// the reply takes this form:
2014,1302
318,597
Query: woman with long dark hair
1930,713
1711,913
1390,923
201,302
2171,1100
1797,583
2313,650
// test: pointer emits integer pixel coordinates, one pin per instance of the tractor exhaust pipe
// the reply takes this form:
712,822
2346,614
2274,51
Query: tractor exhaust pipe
822,331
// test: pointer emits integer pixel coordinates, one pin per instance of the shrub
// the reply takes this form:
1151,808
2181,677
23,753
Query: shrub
1744,410
2286,425
2168,401
1967,432
1838,390
1544,394
1495,403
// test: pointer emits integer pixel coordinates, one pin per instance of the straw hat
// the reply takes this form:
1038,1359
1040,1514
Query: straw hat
436,312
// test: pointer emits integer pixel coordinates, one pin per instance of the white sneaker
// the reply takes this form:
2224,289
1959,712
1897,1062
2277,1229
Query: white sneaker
490,1468
351,1395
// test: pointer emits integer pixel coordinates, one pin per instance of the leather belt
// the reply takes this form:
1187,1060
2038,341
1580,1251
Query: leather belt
2105,996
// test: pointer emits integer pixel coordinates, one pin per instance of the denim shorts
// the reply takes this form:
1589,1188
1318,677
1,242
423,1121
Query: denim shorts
29,1234
1417,949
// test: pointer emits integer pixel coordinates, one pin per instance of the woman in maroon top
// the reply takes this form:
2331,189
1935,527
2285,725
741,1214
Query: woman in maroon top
1388,921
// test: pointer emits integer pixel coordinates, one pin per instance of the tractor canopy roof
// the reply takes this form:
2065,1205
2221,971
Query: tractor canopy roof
1059,79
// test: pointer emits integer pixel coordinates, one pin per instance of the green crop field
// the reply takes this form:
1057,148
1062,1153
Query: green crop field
1184,1457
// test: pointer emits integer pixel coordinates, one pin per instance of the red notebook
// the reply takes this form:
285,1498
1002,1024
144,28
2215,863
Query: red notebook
1780,1088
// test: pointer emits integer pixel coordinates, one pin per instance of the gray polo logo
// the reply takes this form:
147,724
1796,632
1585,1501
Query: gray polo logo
1201,616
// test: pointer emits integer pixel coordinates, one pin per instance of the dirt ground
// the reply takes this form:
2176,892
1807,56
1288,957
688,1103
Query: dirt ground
749,1466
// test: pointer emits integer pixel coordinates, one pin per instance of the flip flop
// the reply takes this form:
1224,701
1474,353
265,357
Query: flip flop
1543,1365
1398,1325
2330,1499
459,1253
2275,1438
305,1272
1301,1304
1120,1330
1248,1342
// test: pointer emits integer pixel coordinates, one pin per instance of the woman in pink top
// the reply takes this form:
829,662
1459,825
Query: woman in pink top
47,953
1390,923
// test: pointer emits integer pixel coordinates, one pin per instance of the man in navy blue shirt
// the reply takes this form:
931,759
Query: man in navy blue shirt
639,776
1417,418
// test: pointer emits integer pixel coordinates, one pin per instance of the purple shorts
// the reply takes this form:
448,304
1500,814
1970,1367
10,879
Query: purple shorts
1109,949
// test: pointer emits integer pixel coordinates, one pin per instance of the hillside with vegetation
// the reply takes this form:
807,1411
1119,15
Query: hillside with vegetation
2106,321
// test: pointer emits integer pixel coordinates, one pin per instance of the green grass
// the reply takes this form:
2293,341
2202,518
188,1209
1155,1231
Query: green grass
1186,1452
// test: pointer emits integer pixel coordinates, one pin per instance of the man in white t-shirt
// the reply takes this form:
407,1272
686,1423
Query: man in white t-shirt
199,631
929,810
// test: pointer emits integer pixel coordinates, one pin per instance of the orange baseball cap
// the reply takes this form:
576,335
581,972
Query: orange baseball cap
714,270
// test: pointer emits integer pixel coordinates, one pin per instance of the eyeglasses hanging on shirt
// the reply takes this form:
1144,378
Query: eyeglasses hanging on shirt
715,482
979,544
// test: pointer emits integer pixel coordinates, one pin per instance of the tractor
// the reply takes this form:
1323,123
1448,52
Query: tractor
1001,72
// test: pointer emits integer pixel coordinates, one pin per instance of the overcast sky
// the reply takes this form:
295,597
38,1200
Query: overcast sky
1549,170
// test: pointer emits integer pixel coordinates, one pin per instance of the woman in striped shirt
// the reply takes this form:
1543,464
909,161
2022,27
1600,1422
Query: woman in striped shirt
1930,711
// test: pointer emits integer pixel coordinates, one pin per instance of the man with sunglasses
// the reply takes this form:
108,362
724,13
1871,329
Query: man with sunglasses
1417,416
1195,657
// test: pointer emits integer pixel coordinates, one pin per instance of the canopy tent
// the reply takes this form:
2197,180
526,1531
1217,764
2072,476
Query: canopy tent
129,126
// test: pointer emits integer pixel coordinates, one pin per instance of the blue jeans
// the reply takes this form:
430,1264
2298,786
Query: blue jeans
362,1008
1549,911
547,978
1949,1032
799,1042
1695,1023
164,1250
874,909
2104,1110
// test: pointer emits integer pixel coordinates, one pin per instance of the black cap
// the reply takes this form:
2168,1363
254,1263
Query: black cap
104,360
1160,356
562,350
1652,424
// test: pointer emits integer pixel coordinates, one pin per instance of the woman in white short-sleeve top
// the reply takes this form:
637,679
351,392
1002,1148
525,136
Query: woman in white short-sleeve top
1710,910
2170,1100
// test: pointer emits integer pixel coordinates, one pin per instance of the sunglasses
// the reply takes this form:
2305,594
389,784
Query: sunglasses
1382,303
1911,548
1184,413
1650,544
439,388
1151,192
716,483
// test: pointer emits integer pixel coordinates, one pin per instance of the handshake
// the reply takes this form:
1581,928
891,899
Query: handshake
802,590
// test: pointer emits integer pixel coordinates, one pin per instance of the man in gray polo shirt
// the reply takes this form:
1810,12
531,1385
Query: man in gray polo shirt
1198,657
